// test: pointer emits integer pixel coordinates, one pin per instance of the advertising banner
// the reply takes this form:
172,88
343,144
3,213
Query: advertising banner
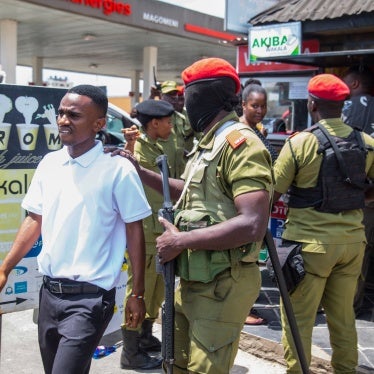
28,130
283,39
245,65
277,220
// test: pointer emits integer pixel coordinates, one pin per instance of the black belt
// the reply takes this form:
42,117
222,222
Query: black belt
70,287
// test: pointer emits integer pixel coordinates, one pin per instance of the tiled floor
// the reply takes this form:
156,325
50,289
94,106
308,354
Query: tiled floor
267,306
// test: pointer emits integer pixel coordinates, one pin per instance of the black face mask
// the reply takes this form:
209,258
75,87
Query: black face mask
205,98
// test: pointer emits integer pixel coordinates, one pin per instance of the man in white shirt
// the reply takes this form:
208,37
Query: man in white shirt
88,207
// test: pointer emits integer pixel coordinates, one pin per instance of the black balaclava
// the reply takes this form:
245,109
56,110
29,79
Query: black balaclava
205,98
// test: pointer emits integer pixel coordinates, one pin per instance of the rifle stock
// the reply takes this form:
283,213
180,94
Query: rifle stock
168,272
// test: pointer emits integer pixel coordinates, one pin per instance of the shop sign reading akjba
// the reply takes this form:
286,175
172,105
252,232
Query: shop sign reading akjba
274,40
108,6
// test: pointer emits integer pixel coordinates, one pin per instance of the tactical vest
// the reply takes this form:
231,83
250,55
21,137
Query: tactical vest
341,179
205,204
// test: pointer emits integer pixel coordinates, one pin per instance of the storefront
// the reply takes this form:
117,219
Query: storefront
333,37
344,33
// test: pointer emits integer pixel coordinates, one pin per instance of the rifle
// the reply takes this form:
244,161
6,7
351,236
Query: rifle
168,272
269,241
157,83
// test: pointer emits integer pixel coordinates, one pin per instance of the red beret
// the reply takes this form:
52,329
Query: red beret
328,87
210,68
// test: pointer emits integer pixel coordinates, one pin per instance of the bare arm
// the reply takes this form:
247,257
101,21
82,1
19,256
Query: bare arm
154,180
149,177
135,307
248,226
27,235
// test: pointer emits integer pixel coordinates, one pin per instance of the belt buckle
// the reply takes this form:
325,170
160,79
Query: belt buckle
59,287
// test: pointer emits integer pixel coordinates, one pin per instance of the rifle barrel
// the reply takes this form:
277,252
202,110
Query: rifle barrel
168,272
269,241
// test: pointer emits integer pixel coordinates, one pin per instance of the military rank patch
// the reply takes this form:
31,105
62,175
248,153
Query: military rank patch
235,138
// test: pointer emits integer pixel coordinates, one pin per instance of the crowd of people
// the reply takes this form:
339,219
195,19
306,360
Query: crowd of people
92,205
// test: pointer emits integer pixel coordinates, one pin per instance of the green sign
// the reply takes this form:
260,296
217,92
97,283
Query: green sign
282,39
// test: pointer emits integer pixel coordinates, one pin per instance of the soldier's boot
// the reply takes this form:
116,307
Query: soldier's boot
132,357
148,342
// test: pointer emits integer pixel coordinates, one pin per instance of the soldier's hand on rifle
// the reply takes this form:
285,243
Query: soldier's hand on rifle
134,311
167,244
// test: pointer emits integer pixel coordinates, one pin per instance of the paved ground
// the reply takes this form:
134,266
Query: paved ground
267,306
260,349
20,352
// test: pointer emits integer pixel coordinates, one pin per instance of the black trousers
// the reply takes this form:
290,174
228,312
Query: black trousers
70,327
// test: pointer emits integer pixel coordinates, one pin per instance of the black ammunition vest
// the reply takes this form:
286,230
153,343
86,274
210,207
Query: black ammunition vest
341,179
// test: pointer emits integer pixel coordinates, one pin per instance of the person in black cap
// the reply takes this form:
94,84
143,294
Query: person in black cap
155,117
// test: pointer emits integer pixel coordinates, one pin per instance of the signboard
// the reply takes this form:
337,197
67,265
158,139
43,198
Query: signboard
282,39
244,65
277,220
28,131
239,12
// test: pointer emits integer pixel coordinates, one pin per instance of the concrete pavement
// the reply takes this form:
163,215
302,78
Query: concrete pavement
20,351
264,340
260,349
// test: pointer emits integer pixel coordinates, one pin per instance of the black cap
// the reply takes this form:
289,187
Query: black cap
149,109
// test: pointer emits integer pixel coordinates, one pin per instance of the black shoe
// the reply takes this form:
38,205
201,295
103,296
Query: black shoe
140,361
132,357
148,342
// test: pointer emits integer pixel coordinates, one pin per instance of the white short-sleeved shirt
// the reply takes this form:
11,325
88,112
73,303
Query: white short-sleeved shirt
85,203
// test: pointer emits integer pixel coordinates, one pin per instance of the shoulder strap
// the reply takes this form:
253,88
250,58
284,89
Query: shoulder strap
220,138
339,157
218,144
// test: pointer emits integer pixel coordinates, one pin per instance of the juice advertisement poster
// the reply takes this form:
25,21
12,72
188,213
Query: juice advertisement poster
28,131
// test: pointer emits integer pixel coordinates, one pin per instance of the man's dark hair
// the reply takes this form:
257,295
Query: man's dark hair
364,75
96,94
